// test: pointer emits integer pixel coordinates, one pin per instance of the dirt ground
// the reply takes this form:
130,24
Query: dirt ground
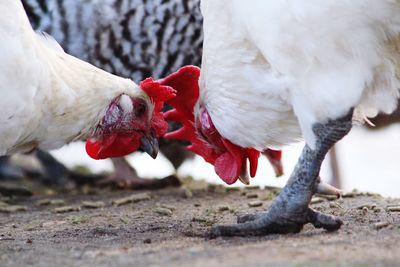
169,228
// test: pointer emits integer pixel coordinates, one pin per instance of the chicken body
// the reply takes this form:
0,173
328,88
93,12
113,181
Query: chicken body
50,98
302,61
274,71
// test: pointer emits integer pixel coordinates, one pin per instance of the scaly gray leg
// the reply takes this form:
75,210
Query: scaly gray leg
290,210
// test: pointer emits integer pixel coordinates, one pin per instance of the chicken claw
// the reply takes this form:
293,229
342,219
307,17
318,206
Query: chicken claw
290,210
327,189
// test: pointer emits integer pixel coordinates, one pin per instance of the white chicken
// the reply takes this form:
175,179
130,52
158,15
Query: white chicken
274,71
49,98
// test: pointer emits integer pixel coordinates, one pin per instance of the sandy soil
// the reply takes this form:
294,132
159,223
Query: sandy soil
169,228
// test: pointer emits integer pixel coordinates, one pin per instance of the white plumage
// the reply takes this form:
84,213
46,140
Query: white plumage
47,97
271,69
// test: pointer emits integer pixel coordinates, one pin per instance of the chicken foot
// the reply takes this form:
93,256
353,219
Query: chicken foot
290,210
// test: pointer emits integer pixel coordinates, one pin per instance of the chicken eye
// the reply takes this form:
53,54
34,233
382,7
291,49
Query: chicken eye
140,109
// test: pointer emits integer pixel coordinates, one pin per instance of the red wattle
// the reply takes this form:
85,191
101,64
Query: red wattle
253,156
227,168
112,146
92,148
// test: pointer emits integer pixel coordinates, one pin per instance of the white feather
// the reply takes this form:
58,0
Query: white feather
47,97
126,104
50,41
271,68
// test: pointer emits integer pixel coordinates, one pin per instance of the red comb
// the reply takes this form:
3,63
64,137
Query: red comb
158,94
185,82
228,164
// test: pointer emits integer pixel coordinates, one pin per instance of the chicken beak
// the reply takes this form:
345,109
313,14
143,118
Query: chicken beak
244,175
149,144
244,179
278,168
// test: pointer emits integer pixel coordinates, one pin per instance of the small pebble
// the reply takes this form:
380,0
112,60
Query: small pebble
57,202
255,204
316,200
352,194
232,189
43,202
53,223
252,187
335,205
93,204
32,226
393,208
166,206
377,210
381,225
348,195
78,219
12,209
47,202
204,220
197,204
163,211
199,219
66,209
147,241
367,206
124,220
252,195
365,210
186,192
223,208
131,199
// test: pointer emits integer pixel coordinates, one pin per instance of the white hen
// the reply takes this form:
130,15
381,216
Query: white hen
274,71
283,61
49,98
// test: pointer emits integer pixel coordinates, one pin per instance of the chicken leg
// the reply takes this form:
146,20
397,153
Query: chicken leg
290,211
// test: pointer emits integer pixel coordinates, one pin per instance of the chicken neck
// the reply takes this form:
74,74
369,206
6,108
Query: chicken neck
290,210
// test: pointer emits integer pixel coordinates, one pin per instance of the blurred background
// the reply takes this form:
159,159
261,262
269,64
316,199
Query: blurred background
368,161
